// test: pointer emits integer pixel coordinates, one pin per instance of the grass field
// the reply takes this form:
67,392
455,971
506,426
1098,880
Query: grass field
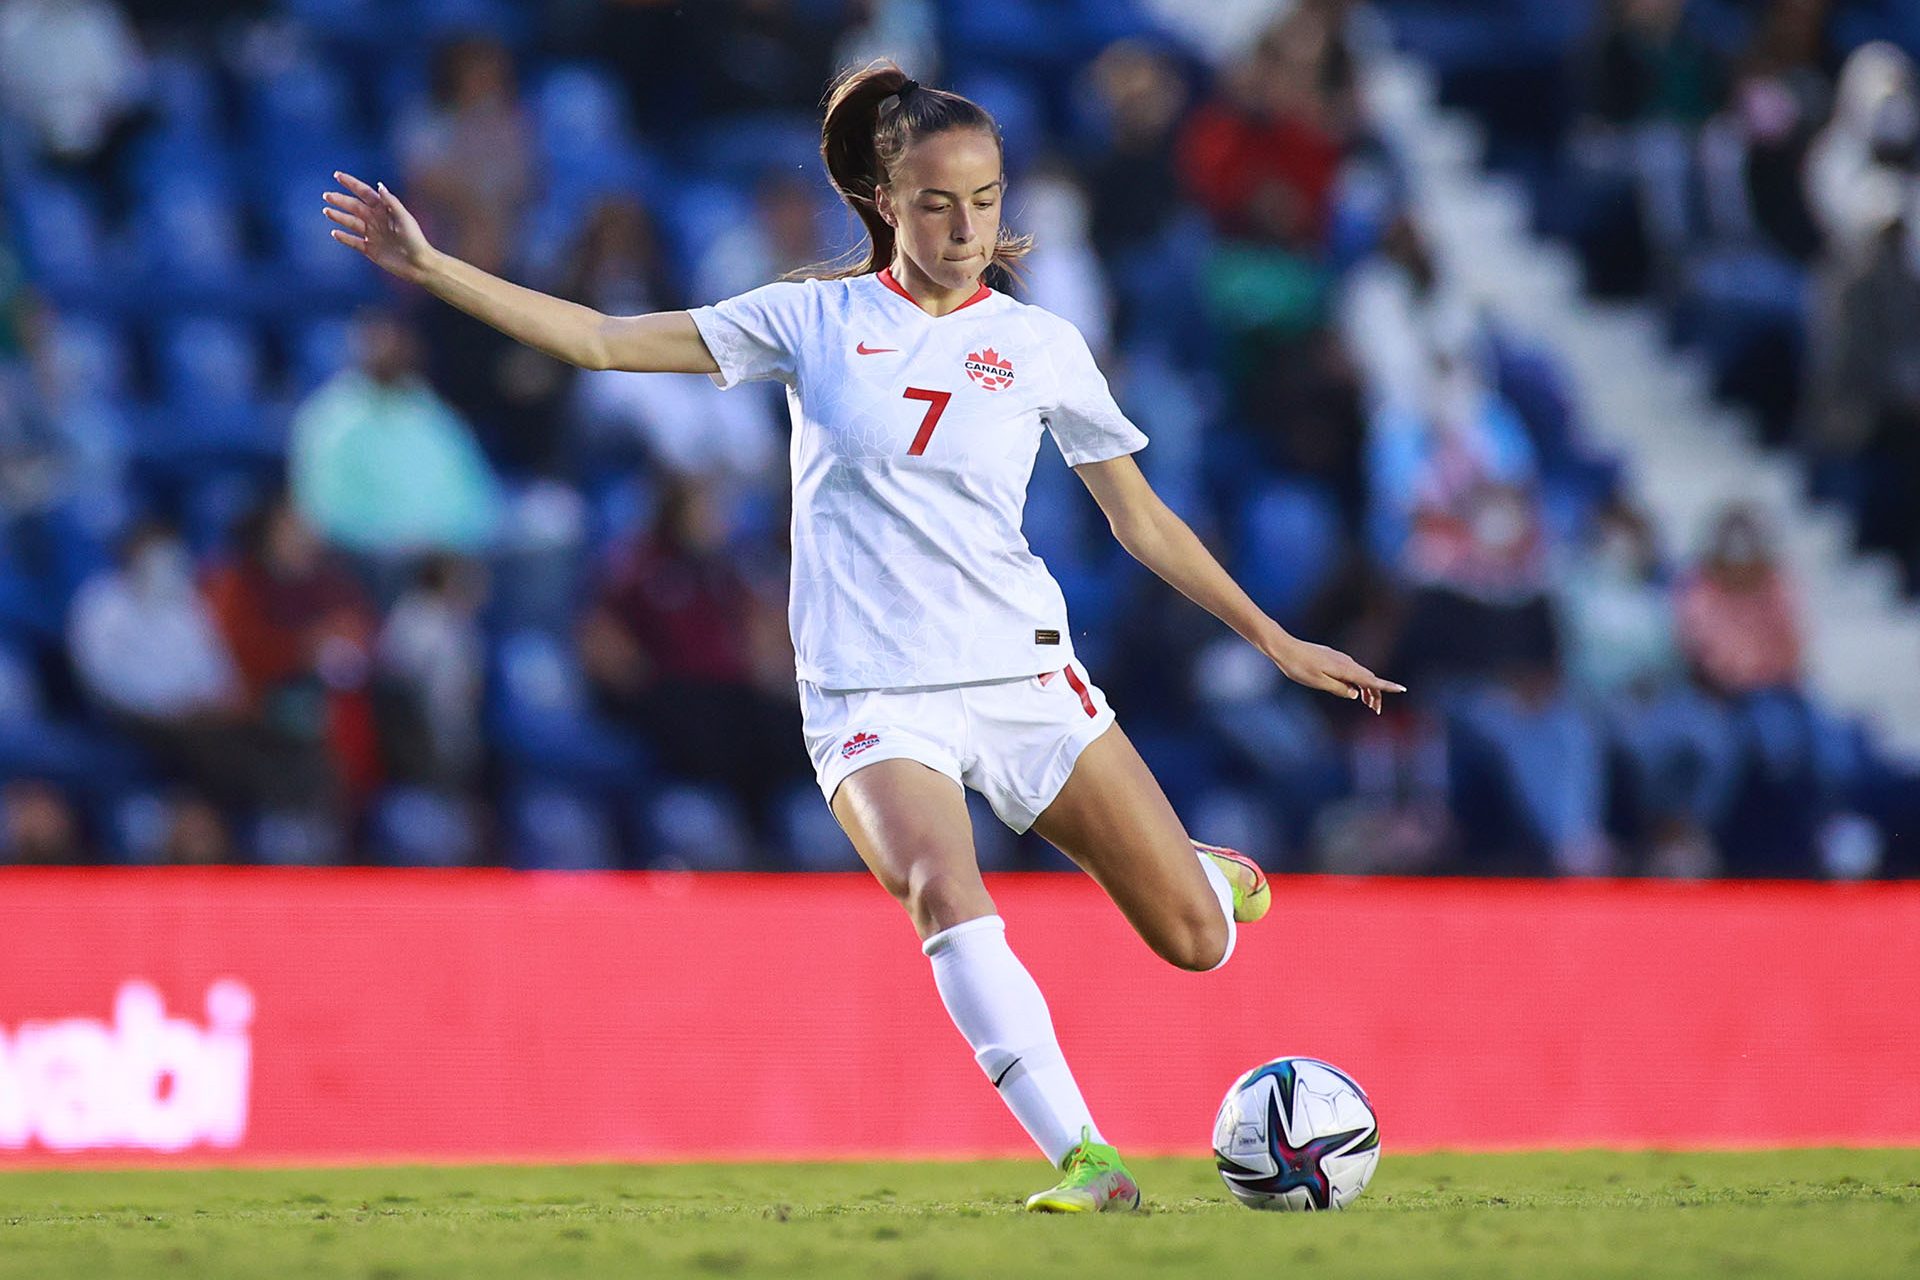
1814,1214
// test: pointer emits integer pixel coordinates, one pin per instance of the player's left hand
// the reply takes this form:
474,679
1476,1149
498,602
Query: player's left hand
1331,671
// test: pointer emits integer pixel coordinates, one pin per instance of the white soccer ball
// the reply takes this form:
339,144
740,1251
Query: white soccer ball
1296,1134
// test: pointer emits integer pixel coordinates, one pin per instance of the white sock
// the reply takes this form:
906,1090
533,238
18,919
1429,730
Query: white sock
1223,891
998,1007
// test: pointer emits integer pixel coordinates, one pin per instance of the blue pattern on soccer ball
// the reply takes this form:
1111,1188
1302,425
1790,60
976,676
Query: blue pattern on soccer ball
1296,1168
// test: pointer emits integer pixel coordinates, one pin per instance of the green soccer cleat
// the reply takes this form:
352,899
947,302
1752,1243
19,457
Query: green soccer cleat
1096,1182
1251,893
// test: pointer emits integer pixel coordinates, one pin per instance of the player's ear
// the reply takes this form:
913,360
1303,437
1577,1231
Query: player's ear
883,204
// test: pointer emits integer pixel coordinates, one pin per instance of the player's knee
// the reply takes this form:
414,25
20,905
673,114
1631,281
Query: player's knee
937,897
1196,943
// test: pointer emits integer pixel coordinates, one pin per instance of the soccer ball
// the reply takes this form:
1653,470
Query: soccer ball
1296,1134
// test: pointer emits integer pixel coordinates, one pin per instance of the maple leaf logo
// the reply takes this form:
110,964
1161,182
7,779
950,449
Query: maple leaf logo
990,369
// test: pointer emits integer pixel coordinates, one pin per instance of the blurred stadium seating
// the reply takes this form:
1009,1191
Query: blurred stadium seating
1391,458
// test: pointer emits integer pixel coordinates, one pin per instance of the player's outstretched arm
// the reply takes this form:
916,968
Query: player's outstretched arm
1162,541
373,221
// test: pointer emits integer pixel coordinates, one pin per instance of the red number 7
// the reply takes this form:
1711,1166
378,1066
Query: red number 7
936,405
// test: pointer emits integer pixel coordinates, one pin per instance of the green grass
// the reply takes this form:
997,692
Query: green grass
1814,1214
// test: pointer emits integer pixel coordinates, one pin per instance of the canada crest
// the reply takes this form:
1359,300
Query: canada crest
993,371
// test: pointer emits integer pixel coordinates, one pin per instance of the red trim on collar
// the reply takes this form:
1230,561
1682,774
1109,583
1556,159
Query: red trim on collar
886,278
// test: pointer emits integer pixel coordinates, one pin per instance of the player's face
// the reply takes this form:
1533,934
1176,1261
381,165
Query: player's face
943,200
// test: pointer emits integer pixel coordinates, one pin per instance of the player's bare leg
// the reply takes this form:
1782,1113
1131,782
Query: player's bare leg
1113,819
911,827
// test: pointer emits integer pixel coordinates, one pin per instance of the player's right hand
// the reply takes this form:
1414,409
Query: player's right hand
373,221
1318,667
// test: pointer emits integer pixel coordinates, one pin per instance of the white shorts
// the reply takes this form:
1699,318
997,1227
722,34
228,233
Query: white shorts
1013,741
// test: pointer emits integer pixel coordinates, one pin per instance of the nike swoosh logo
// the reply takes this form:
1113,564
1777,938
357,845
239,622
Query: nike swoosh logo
865,350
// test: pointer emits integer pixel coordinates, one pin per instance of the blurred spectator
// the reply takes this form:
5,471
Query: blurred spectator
511,395
783,236
1426,468
1402,319
1861,420
761,55
72,71
1737,619
1653,66
678,642
299,628
468,153
37,826
1262,157
1740,629
431,660
378,461
682,423
1861,427
149,653
1755,151
1679,754
1062,273
908,31
1861,171
196,835
1133,191
1398,477
144,641
14,299
1655,80
615,263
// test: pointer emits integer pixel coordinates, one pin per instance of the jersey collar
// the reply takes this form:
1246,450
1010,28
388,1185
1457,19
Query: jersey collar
979,295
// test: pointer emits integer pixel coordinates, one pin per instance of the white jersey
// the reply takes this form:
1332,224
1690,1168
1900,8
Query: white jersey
913,440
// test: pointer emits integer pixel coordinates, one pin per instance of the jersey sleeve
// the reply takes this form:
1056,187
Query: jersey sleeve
755,335
1085,422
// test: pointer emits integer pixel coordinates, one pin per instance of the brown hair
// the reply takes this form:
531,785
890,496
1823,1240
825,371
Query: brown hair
869,124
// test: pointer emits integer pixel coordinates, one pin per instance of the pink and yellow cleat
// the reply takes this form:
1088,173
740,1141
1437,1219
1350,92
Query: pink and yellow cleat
1251,893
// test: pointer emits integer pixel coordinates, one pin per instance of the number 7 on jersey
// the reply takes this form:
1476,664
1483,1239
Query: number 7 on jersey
936,405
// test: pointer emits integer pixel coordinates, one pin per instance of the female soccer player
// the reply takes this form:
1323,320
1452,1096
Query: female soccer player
933,647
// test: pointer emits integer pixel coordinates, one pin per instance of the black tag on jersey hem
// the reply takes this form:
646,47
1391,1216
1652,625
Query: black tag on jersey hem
1046,637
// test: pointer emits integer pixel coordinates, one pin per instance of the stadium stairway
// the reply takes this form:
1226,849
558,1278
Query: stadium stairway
1686,455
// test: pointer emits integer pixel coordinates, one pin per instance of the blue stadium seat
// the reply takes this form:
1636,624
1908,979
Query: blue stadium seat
320,348
346,22
210,408
90,359
744,148
510,23
1023,33
415,827
174,155
135,824
20,700
690,209
191,242
304,104
694,828
60,234
215,499
539,715
555,829
186,92
209,362
1016,106
1290,545
580,107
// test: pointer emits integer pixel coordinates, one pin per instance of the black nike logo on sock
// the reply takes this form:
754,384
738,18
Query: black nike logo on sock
1004,1074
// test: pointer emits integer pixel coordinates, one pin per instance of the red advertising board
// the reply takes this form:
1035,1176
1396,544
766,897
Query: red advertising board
239,1016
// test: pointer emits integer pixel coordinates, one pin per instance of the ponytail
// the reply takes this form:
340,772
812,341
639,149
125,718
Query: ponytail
872,114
